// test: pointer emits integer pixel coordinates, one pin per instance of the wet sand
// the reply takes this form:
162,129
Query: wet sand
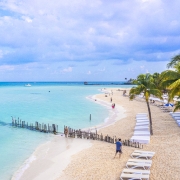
50,159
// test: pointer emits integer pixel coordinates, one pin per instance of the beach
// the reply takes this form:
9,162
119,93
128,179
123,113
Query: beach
87,159
97,161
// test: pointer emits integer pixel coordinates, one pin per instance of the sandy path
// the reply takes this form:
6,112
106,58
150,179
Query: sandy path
97,162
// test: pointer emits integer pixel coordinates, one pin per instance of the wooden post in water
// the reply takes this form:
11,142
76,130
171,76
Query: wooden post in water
54,128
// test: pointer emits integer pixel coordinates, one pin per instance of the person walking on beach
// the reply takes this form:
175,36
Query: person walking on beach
118,148
66,131
111,99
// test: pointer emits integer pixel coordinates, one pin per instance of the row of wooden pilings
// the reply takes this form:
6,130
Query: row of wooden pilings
37,126
69,132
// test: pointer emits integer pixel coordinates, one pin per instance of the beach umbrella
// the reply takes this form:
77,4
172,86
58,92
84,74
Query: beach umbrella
176,99
169,104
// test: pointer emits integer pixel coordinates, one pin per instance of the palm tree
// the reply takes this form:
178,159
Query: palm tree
174,61
145,84
171,80
177,106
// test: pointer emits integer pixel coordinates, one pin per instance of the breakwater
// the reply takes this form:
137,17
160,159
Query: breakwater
41,127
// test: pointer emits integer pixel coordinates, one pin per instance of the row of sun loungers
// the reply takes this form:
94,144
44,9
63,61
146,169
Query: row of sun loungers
137,168
141,130
176,117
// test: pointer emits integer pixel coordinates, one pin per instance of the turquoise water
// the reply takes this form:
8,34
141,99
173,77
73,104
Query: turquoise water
59,103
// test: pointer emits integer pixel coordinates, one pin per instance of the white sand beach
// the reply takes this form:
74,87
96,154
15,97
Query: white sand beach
97,161
50,159
78,159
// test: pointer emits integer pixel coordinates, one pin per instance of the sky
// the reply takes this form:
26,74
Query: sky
86,40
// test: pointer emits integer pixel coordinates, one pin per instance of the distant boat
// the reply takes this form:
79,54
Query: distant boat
27,85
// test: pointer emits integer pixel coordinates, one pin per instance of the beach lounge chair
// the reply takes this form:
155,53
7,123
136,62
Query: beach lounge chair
145,118
141,133
141,114
141,117
134,176
125,170
142,124
142,121
140,160
140,139
145,115
141,128
142,155
146,152
131,176
175,115
143,165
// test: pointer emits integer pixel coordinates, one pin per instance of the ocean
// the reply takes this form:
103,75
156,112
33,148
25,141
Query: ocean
61,103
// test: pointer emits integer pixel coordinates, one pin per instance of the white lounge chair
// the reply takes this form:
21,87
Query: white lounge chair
141,118
141,128
142,155
125,170
140,160
141,114
142,124
131,176
141,133
138,165
141,139
145,152
144,121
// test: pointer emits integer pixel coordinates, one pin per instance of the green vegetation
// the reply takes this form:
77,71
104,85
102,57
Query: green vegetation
146,85
158,83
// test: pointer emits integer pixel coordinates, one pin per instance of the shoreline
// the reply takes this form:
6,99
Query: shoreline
164,142
113,116
29,167
50,159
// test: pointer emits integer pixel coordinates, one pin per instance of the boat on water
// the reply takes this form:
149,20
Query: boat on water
27,85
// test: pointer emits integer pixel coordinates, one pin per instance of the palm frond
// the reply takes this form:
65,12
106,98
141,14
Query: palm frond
177,106
170,74
174,61
175,85
156,92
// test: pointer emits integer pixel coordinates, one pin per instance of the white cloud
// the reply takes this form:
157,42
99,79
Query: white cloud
65,32
102,70
6,68
89,72
27,19
69,69
1,54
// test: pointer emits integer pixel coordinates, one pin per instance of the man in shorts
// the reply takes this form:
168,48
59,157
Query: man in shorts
118,148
